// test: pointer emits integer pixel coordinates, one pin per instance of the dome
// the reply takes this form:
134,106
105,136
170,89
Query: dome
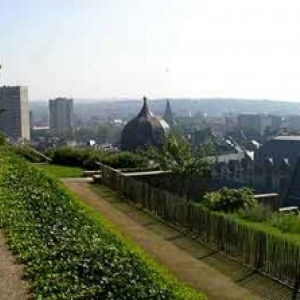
143,130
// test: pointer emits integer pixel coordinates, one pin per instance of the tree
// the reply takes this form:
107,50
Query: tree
176,155
229,200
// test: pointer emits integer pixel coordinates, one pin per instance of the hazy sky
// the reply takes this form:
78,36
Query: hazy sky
158,48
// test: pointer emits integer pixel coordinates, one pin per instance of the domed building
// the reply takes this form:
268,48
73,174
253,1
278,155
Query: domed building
144,130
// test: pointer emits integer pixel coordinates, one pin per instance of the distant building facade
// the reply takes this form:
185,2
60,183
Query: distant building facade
249,122
14,120
61,116
269,168
258,122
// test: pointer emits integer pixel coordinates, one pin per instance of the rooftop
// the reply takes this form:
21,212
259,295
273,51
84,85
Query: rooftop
287,138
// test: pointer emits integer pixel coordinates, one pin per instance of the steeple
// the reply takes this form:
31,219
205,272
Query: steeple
168,115
145,111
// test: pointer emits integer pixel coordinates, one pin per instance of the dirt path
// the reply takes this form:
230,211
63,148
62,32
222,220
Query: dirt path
158,239
12,287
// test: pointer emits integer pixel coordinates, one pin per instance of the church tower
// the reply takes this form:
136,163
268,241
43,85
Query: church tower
168,115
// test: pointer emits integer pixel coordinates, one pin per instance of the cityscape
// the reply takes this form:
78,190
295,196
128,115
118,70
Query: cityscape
142,157
253,138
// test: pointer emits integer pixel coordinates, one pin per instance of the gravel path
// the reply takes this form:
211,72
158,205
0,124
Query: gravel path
182,264
12,287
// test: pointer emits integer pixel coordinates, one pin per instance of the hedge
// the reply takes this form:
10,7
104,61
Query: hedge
87,158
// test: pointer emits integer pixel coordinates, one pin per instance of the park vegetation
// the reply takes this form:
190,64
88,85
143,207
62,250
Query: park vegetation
69,252
59,171
185,165
225,223
229,200
176,155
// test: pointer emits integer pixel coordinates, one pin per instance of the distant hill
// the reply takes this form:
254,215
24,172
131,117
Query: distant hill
126,108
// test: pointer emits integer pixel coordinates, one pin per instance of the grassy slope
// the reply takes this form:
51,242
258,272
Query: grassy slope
68,251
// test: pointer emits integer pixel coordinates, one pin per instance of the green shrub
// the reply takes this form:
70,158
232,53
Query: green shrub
124,160
229,200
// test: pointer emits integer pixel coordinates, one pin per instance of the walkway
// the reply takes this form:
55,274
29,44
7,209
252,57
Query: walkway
12,287
189,261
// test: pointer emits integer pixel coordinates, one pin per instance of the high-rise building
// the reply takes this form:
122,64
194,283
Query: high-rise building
61,116
14,120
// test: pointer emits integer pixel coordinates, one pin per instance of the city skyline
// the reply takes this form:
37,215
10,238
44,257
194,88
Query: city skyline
170,48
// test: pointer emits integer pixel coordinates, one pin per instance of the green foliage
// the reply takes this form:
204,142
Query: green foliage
256,213
67,250
176,155
87,158
229,200
2,139
286,223
186,166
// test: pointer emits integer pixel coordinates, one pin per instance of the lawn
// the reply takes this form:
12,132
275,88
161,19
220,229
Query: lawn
61,171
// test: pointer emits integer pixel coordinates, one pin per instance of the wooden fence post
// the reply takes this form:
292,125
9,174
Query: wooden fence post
297,281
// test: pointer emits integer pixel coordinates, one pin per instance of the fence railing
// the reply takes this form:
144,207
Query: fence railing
267,253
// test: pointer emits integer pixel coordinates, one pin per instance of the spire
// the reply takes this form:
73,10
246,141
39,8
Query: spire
145,111
168,116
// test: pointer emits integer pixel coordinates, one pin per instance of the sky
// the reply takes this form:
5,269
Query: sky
158,48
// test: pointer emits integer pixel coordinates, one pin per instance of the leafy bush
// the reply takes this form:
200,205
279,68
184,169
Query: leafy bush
70,156
229,200
67,250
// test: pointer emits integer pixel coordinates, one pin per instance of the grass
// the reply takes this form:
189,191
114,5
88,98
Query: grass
59,171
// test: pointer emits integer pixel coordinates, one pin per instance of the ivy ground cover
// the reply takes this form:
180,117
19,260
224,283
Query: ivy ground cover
67,250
